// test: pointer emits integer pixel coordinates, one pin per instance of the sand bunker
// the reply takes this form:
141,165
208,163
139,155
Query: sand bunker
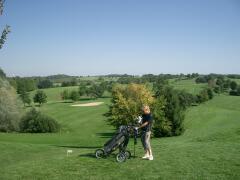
88,104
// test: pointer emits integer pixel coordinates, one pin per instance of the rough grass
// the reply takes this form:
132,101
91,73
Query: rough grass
209,148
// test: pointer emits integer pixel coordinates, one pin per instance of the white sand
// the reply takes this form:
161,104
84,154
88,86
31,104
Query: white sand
88,104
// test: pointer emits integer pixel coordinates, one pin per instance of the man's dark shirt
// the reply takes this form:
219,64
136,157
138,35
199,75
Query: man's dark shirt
147,118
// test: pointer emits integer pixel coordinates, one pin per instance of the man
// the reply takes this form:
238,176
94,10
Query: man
146,127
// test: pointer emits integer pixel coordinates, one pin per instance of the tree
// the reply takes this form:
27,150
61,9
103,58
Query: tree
82,90
65,95
45,84
203,96
25,98
40,97
6,30
173,111
127,103
95,91
74,95
9,107
233,85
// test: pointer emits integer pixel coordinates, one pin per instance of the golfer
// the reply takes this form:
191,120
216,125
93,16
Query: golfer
146,127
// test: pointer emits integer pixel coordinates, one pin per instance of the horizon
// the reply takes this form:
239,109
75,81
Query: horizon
92,38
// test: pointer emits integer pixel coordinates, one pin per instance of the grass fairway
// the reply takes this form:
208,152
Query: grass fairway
209,148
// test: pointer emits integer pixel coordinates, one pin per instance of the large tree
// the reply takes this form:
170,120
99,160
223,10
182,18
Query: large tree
6,30
9,107
127,102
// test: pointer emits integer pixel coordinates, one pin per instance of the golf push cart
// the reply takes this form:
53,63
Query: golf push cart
119,141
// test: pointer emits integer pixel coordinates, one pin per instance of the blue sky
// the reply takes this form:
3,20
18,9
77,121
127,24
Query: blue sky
93,37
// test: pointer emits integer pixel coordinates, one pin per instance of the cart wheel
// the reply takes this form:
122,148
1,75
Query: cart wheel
99,153
128,154
121,157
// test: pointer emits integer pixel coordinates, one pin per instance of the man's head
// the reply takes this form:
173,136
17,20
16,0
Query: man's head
146,109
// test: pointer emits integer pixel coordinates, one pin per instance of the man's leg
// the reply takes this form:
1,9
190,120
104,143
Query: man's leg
143,139
149,149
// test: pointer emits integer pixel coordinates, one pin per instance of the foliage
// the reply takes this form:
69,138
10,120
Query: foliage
127,102
40,97
9,107
36,122
65,95
45,84
174,112
25,98
233,85
6,30
74,95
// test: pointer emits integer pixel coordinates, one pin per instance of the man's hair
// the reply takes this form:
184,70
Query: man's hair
146,107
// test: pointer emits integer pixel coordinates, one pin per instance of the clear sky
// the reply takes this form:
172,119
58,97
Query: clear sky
92,37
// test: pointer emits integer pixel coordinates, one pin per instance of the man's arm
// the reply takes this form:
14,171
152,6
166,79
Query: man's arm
143,125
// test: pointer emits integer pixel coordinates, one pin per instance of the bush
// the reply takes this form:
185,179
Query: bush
36,122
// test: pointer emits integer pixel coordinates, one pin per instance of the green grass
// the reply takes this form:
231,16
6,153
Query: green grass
209,148
188,85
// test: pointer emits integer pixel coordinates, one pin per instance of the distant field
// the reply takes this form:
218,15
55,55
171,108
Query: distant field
236,80
209,148
53,94
188,85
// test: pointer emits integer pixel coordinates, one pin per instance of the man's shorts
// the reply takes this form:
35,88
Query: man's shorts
145,138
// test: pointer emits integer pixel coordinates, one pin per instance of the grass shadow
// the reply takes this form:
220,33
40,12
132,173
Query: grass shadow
89,155
105,135
79,147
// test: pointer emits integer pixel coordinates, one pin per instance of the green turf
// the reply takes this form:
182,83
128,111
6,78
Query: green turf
209,148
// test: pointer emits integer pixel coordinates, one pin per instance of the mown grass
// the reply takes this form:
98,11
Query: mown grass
209,148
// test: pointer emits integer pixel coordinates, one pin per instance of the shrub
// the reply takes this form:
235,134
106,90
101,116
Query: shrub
36,122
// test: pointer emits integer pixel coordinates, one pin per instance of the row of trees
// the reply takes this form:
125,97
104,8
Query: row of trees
92,90
40,97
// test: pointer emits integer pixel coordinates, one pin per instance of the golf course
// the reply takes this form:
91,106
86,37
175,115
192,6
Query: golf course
208,149
120,90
